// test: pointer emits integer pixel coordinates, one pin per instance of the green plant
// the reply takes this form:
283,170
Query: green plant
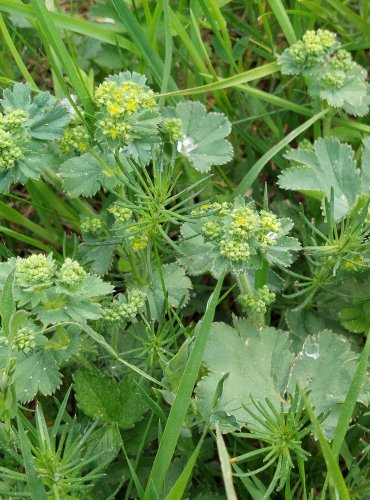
184,250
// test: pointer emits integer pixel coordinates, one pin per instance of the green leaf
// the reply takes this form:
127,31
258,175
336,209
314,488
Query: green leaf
325,367
91,286
356,318
37,373
7,303
101,396
46,116
178,489
32,165
233,81
283,251
7,178
254,171
254,364
281,15
245,363
98,257
19,97
203,141
330,166
351,398
177,286
365,174
353,95
82,175
193,250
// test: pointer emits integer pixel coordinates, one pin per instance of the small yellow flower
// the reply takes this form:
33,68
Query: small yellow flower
114,109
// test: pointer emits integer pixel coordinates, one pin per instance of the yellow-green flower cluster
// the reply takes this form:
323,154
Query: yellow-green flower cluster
35,270
118,101
139,240
71,273
117,311
137,298
314,47
90,225
12,118
243,222
124,99
318,43
258,301
120,213
269,222
115,129
76,138
173,127
25,339
342,61
358,263
211,229
239,230
336,70
10,153
219,209
234,250
334,79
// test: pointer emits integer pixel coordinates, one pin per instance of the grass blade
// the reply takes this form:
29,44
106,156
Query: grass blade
53,37
71,23
142,42
35,485
232,81
178,489
225,466
350,17
15,54
26,239
16,217
180,406
351,399
334,472
283,19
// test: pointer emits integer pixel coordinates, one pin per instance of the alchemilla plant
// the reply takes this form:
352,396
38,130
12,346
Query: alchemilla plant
184,275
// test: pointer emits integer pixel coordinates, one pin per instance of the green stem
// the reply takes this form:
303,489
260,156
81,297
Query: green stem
326,123
134,269
261,276
224,178
243,284
316,106
245,288
114,339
